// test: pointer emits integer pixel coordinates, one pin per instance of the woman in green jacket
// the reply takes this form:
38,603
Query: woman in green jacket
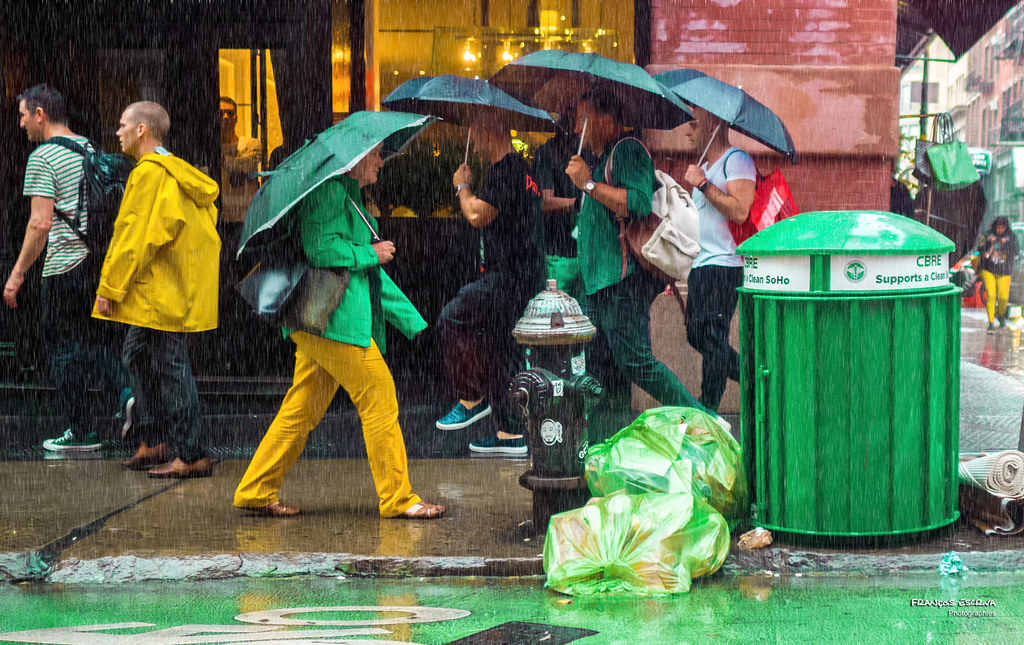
336,233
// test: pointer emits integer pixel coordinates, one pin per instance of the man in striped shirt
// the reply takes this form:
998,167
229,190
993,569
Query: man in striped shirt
80,351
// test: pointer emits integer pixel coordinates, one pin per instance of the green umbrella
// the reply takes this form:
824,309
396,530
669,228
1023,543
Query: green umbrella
333,152
554,80
731,104
460,100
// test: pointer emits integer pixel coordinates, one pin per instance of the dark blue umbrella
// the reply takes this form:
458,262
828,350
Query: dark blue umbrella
460,100
731,104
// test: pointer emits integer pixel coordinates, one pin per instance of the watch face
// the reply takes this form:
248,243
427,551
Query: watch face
590,185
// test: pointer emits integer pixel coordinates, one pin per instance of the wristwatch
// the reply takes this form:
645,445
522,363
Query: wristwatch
589,186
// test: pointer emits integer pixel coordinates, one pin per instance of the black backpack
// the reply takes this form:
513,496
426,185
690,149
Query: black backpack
104,176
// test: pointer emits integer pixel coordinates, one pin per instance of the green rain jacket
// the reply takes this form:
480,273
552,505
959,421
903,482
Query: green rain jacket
598,247
334,235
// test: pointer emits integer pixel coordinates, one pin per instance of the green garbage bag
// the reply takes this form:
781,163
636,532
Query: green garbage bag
622,544
668,450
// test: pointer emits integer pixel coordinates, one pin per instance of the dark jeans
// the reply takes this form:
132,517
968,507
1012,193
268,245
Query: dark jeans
710,305
481,357
622,316
165,391
81,350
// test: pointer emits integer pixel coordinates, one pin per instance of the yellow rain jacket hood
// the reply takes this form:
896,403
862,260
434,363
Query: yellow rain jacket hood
161,269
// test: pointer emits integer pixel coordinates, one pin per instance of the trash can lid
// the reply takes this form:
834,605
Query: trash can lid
846,233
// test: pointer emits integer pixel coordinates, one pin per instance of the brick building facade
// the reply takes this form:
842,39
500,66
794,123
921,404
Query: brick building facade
826,67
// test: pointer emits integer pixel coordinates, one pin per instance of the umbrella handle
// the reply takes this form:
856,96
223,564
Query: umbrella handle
468,137
710,141
579,151
583,134
373,233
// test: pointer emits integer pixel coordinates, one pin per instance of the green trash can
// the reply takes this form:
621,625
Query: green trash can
850,375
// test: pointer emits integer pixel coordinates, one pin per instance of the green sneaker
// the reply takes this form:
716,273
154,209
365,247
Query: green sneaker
69,442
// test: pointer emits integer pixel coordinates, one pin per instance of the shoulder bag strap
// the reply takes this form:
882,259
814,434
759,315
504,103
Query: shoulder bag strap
73,224
621,222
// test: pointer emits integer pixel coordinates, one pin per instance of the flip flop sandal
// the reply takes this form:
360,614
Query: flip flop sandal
422,511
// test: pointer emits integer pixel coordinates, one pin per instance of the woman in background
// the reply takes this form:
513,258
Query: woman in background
998,254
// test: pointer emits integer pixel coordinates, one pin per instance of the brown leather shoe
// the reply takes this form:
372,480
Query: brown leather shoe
146,457
178,469
277,509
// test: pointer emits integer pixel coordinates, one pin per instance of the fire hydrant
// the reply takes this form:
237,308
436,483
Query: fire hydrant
553,394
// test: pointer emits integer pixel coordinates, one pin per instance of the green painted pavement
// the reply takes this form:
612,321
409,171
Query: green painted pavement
720,610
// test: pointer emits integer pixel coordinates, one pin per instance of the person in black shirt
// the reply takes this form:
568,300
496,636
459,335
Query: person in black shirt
558,205
481,357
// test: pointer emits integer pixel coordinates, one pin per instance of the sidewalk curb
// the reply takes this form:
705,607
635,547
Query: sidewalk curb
774,562
783,561
131,569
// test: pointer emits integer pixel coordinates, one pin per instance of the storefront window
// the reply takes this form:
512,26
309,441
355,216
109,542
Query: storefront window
341,57
250,125
240,79
477,37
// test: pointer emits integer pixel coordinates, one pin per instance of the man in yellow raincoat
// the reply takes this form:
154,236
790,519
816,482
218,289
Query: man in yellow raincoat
160,278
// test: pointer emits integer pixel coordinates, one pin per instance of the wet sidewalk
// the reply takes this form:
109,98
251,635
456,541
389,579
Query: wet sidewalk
86,520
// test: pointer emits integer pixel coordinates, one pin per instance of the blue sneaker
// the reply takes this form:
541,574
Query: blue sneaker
460,417
496,446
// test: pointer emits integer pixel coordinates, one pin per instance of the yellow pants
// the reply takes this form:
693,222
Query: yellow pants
321,365
997,287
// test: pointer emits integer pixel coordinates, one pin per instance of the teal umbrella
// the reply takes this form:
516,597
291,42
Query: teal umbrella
460,100
555,80
741,111
333,152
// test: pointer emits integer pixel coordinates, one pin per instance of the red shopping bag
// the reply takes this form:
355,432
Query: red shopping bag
772,202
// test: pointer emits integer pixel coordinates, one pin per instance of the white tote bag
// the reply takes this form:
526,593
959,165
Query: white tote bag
673,246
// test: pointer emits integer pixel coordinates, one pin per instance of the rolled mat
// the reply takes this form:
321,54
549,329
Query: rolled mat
991,514
1001,474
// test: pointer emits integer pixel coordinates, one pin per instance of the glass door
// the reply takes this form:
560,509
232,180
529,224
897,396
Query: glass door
250,126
